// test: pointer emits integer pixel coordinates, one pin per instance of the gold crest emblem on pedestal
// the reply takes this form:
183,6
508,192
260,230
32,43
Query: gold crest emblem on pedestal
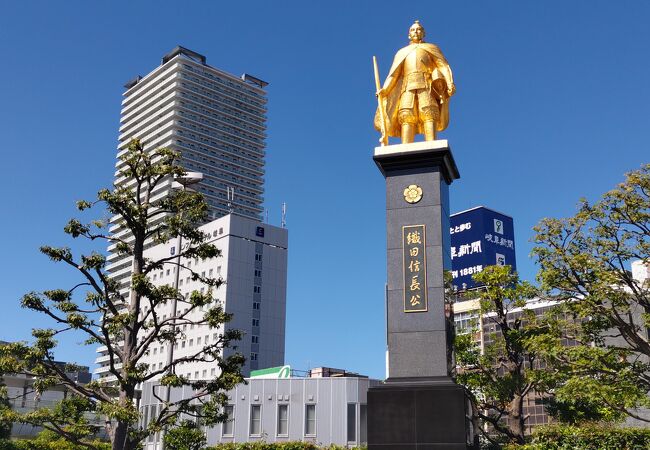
413,193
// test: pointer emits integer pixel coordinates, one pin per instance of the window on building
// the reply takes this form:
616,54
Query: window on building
228,427
198,340
196,375
256,322
253,356
167,272
191,342
205,373
210,272
256,420
212,372
257,289
255,339
219,270
256,305
352,422
283,420
363,423
310,420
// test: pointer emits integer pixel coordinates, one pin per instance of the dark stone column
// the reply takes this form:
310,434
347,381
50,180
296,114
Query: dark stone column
419,406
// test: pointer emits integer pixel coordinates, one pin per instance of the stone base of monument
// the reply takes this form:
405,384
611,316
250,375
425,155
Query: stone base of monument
419,407
418,415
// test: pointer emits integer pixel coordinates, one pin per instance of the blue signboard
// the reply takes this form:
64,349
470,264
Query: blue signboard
480,237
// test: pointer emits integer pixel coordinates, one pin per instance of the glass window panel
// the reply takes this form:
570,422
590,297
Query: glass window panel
352,422
256,420
310,420
363,423
228,426
283,420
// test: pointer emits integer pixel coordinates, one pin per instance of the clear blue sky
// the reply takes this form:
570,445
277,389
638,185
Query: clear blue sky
553,104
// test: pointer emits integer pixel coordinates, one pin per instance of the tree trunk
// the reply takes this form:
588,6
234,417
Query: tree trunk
120,436
121,440
516,418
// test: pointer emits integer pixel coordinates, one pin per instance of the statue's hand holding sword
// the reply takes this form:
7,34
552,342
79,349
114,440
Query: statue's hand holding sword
383,140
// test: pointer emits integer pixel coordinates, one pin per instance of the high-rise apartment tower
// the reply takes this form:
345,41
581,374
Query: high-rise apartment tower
216,121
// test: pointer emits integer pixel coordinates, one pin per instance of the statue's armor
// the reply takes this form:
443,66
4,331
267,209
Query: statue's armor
417,95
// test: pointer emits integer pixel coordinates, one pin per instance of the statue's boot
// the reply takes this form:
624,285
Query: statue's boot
429,130
408,133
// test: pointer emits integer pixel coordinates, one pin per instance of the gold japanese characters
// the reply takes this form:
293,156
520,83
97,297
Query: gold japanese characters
413,193
415,268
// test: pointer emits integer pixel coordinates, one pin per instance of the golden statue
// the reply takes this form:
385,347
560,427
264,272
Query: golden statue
415,95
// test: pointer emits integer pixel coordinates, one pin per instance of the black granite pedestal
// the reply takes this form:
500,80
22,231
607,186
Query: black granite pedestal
419,407
426,415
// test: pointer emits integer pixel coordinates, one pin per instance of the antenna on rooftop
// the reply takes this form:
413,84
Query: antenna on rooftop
231,197
283,223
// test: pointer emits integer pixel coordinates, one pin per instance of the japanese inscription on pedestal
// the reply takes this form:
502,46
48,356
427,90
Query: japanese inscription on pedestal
415,268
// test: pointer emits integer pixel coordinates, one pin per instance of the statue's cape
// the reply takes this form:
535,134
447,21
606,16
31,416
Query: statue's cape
440,84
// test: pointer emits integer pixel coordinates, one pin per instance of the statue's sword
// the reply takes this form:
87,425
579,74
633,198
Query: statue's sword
383,140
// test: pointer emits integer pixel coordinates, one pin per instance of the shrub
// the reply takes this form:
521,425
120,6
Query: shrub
186,436
48,441
587,437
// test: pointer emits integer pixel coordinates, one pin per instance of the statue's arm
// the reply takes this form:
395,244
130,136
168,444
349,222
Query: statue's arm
446,72
391,81
443,68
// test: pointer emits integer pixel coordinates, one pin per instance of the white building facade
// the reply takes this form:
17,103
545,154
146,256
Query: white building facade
253,266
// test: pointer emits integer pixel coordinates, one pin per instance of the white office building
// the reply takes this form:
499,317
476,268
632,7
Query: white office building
253,266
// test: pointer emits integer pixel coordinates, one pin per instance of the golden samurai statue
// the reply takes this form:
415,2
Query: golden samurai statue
415,95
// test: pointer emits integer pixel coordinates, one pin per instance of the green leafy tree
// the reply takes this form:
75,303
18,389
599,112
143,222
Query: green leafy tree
585,264
128,325
186,436
5,407
498,377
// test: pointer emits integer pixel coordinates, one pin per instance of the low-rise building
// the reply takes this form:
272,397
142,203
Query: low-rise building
323,409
